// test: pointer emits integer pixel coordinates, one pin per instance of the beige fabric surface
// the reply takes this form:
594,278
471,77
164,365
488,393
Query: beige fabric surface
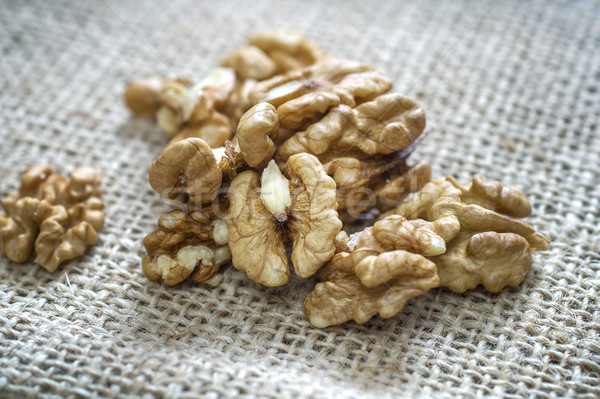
511,91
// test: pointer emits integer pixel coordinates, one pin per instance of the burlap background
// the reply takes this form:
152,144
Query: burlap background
511,91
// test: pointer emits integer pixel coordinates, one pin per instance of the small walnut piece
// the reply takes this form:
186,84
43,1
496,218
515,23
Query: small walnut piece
186,245
66,234
57,216
273,52
184,109
491,249
267,213
250,62
287,49
142,96
186,171
386,268
20,226
255,134
193,111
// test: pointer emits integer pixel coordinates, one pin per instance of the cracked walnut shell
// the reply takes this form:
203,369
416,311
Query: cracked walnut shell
490,249
269,211
56,216
385,268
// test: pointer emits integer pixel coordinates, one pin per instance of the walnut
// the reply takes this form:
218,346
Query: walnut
255,134
142,96
214,130
385,268
57,216
392,187
186,245
384,126
287,49
383,191
184,109
302,96
491,249
357,145
239,101
250,62
273,52
66,234
19,227
193,111
267,212
186,171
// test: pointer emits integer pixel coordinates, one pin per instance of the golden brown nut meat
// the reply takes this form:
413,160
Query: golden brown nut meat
255,134
20,226
287,49
142,96
304,95
385,269
250,62
365,149
184,109
66,233
187,171
267,212
58,216
491,249
272,52
193,111
186,245
388,124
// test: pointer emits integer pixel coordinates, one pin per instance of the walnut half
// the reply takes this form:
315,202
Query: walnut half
269,211
489,248
386,267
57,216
186,245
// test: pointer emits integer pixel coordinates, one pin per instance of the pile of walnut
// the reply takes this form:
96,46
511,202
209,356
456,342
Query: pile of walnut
275,148
57,217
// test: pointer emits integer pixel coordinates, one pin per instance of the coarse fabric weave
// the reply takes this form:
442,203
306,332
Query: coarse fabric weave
511,90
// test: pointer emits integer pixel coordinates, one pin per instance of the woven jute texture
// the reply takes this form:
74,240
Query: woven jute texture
511,91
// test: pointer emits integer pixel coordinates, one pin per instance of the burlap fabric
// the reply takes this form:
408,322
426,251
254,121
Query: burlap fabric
511,91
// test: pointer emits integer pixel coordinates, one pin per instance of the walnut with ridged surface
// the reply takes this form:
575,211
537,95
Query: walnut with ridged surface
187,171
57,216
187,245
184,109
271,210
385,268
303,96
365,148
256,131
491,248
272,52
